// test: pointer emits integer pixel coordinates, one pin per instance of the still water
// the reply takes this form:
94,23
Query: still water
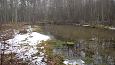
95,46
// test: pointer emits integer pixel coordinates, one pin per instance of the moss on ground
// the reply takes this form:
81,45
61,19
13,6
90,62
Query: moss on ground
51,57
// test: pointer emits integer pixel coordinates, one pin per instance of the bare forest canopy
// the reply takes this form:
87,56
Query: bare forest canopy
58,11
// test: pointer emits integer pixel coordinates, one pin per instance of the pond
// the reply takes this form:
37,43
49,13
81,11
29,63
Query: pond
94,45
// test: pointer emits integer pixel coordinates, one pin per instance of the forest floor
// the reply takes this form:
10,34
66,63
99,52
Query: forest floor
25,46
32,49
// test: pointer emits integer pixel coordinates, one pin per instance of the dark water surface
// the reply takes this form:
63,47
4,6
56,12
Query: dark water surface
96,46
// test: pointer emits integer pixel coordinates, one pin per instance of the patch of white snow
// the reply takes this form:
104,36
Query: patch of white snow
25,46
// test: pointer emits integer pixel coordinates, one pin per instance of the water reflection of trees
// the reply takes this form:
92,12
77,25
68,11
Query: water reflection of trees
92,51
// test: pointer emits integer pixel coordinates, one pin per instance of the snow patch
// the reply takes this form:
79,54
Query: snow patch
74,62
112,28
25,46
